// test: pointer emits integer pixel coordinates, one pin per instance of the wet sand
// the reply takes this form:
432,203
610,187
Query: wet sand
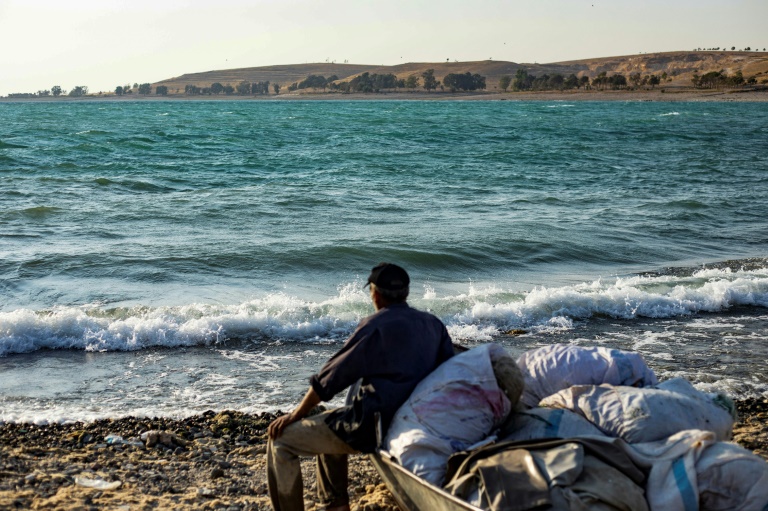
210,461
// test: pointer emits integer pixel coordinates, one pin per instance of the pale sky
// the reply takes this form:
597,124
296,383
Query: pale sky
105,43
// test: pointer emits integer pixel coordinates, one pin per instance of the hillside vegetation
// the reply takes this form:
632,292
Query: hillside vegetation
679,67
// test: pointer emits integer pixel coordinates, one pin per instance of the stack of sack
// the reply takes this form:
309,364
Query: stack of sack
675,433
600,400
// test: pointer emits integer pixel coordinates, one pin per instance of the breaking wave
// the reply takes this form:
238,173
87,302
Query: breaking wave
475,314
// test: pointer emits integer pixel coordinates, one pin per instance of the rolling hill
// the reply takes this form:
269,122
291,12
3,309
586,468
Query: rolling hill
679,66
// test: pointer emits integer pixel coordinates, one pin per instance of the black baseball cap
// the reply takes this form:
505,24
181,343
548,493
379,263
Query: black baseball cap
389,276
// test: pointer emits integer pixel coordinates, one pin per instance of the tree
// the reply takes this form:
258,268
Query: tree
217,88
504,82
696,80
654,81
430,83
79,91
244,88
341,86
260,87
556,82
454,82
737,79
362,83
618,82
229,90
571,82
56,90
276,88
522,81
161,90
119,90
314,82
479,81
145,88
411,82
464,82
600,81
367,82
711,80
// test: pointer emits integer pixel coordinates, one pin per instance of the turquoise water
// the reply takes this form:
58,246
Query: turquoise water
136,226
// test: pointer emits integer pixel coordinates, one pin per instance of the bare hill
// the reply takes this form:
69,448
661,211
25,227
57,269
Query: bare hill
283,75
679,67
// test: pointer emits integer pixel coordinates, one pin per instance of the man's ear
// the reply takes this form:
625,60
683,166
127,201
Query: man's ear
378,300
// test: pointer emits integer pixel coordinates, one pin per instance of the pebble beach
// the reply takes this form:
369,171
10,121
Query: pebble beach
212,461
209,461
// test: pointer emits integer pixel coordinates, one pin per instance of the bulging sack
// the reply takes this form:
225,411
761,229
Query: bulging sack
730,477
691,470
553,368
455,407
647,414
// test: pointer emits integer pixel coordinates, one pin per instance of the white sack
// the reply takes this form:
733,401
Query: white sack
730,477
540,423
646,414
458,405
553,368
691,470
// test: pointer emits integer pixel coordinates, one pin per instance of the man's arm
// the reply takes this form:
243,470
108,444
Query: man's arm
311,400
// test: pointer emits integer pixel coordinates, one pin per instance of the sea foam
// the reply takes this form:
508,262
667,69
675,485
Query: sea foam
478,314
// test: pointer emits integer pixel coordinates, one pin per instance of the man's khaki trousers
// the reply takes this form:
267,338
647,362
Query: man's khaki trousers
307,437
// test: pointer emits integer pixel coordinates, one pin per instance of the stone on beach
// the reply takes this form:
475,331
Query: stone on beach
39,465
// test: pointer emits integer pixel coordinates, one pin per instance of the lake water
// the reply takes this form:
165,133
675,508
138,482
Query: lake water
165,258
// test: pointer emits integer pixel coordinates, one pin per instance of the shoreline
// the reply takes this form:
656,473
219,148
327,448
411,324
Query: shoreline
208,461
658,95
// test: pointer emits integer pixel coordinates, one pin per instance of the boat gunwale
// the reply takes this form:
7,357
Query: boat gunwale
383,460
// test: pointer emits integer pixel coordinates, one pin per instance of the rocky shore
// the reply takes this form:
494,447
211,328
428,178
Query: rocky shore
213,461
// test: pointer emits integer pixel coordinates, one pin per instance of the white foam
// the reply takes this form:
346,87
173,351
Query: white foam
475,314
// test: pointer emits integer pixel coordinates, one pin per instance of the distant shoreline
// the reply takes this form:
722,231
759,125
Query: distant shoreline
658,95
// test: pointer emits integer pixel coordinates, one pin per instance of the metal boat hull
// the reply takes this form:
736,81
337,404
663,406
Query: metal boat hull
413,493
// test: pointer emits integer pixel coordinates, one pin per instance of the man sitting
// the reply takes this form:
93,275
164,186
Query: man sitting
389,353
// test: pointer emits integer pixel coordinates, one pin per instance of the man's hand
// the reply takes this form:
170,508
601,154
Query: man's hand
277,426
311,399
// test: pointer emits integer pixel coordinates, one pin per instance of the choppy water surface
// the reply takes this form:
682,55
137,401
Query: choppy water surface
170,257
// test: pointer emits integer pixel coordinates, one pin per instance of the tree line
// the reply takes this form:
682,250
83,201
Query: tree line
374,82
55,91
244,88
733,48
719,79
523,81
